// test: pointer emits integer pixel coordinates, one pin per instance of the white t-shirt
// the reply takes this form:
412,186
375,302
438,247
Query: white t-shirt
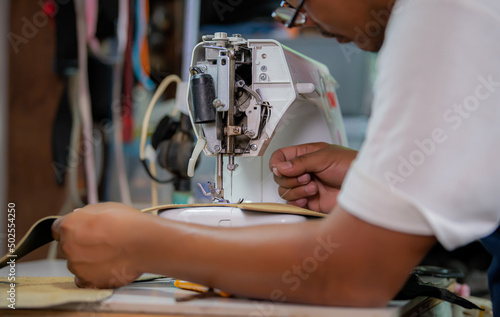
430,164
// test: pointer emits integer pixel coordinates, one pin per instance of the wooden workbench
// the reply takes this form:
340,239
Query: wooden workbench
156,299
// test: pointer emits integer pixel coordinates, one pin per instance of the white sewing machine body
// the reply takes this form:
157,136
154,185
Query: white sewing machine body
279,98
228,217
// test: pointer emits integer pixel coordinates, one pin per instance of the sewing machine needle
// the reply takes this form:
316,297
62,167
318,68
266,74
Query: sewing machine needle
231,166
219,183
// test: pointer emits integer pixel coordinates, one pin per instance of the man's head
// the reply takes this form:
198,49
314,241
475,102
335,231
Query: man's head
360,21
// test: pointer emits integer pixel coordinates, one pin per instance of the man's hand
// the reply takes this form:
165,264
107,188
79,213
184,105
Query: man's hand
98,242
310,175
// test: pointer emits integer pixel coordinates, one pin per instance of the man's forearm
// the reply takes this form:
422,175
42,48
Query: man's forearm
311,262
252,261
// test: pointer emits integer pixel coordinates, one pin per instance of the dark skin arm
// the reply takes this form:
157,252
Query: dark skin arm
340,260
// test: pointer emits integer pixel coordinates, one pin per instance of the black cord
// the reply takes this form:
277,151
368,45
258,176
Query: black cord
165,181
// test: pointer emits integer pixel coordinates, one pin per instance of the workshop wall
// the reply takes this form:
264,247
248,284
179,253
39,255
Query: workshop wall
4,62
34,94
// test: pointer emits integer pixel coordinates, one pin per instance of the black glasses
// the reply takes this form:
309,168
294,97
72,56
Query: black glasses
289,15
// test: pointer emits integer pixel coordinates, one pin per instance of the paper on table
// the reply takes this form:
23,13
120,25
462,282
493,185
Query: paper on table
42,292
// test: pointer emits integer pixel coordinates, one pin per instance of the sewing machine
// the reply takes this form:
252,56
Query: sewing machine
248,98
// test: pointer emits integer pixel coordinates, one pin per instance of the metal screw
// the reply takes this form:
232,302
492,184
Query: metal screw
217,148
217,103
263,68
220,35
264,56
263,77
254,147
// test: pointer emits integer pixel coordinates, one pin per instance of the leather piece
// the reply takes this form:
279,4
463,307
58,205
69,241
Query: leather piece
262,207
38,235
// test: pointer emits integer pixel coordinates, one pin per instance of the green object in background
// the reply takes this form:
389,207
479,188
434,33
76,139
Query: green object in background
182,198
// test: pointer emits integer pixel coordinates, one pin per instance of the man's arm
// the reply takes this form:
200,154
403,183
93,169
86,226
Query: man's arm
340,260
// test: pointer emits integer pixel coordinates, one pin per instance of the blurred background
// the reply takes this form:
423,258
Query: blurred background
41,148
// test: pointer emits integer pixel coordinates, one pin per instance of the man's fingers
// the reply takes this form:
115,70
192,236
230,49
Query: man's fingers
292,194
276,172
81,282
289,153
299,202
307,163
56,229
291,182
311,162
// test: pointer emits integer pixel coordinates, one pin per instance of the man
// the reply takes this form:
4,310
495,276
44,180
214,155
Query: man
427,171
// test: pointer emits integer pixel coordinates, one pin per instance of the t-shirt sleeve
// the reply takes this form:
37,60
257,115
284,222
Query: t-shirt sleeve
430,164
